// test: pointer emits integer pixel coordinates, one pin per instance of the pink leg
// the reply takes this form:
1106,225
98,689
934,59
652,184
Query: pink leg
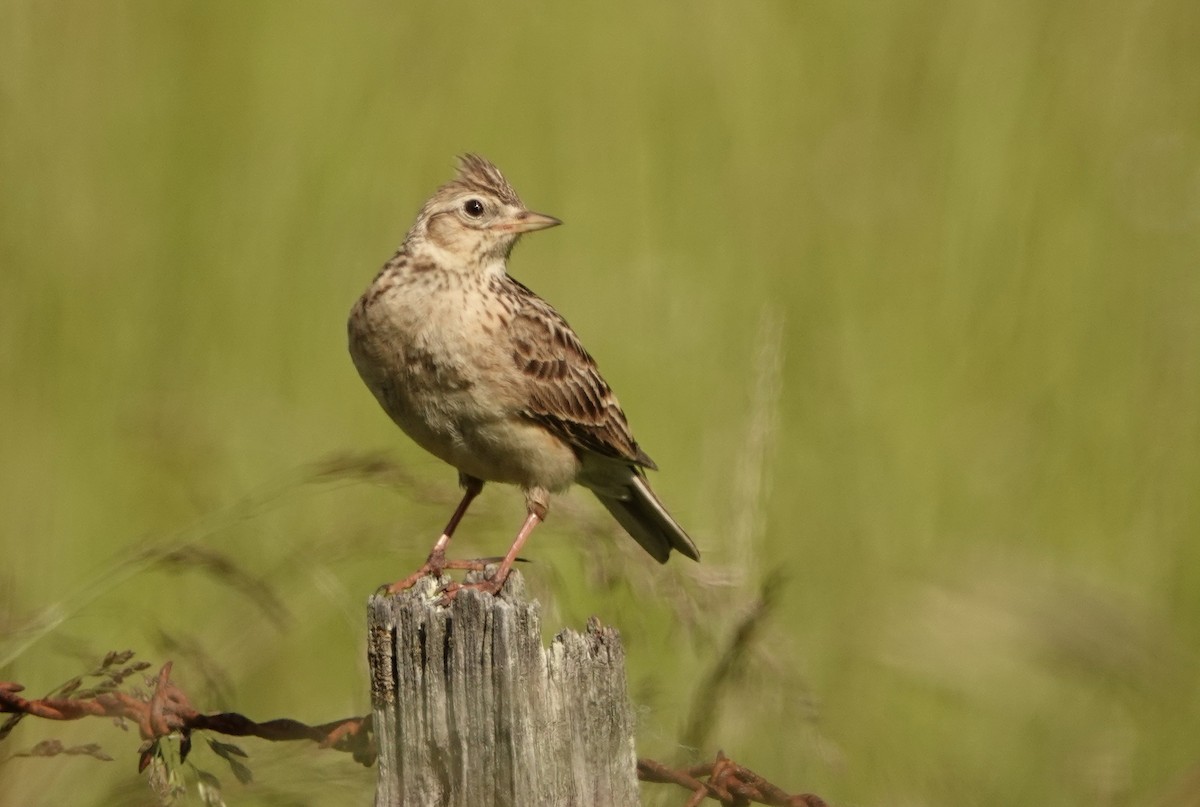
496,582
531,521
436,563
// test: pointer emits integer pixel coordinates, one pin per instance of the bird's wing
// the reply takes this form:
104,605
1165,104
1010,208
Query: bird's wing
565,392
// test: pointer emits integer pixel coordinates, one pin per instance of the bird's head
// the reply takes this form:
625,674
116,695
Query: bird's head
477,217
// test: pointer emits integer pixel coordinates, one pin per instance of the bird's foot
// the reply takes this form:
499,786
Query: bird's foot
488,585
435,566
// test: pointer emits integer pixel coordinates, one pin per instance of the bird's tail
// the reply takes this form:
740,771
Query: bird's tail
643,516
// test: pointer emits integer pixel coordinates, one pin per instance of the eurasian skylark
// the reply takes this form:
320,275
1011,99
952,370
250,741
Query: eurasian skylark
485,375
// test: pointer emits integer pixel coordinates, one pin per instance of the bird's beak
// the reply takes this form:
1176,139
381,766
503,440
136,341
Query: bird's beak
527,221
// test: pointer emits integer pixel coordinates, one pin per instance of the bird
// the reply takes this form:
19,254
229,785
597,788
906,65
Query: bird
487,376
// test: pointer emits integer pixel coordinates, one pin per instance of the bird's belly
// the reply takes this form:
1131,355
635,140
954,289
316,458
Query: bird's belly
444,389
491,447
517,451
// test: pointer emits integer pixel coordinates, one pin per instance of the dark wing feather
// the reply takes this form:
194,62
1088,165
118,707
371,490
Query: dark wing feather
567,395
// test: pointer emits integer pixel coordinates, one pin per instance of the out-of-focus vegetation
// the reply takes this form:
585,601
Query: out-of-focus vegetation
904,299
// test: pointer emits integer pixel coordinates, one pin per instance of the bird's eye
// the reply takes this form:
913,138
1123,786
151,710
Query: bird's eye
473,208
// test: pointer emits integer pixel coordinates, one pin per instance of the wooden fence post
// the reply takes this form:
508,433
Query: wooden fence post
471,709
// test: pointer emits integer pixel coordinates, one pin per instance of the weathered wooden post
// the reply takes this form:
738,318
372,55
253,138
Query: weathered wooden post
471,709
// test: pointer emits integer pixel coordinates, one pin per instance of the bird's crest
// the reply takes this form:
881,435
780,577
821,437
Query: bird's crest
477,173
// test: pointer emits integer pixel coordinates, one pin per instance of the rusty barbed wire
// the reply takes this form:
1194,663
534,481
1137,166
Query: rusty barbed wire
729,783
166,710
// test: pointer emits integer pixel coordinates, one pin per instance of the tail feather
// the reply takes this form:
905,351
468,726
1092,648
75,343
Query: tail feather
644,517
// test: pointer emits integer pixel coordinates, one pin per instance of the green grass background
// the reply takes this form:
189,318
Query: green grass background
903,298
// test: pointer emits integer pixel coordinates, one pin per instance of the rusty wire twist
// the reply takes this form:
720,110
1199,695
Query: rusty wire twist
729,783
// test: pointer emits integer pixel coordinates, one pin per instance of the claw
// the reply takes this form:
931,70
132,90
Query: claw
487,586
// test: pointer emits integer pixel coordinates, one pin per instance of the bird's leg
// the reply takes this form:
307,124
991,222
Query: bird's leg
537,502
437,556
436,563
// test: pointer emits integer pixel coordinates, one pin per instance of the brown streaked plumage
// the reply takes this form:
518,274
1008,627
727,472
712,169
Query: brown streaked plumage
487,376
